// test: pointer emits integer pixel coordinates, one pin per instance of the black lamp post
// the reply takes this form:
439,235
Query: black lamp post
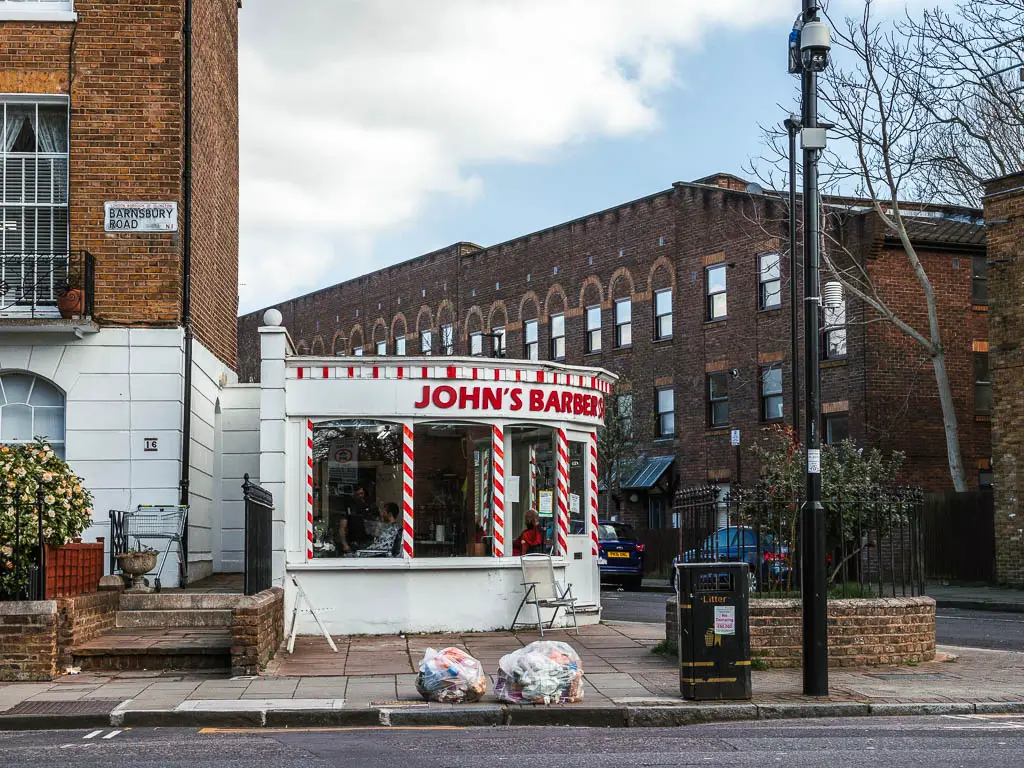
809,49
792,124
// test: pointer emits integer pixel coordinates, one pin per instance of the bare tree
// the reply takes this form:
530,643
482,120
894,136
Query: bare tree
616,452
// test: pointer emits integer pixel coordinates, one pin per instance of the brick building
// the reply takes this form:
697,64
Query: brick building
1004,205
93,346
683,294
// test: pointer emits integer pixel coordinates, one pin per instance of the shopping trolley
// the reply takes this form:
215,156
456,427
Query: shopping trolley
155,523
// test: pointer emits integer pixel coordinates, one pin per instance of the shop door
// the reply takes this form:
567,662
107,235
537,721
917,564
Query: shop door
581,570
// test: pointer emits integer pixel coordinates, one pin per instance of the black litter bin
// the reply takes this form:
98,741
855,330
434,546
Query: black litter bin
714,630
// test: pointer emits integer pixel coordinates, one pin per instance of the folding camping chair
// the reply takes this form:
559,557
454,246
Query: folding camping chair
160,523
542,591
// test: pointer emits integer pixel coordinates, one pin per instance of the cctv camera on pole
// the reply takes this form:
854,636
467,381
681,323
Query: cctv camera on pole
809,45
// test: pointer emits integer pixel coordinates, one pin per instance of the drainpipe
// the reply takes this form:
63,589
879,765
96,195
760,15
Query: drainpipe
186,298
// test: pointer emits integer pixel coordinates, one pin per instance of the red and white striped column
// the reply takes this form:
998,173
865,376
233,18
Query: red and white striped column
533,477
593,494
562,491
309,489
407,488
498,494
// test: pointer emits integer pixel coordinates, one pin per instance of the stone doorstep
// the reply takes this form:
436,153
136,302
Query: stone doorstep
183,602
177,618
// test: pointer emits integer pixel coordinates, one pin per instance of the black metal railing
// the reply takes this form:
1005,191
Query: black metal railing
41,285
259,512
874,542
28,554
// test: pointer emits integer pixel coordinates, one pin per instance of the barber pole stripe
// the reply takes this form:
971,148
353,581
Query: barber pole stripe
533,477
309,489
593,494
498,497
407,487
562,472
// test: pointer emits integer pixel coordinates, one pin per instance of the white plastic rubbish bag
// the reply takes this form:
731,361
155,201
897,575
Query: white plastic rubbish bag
544,672
450,675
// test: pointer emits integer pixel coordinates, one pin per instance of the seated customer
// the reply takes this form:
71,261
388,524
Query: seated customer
389,541
531,541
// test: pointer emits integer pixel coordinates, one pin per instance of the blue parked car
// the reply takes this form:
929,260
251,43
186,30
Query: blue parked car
769,562
620,554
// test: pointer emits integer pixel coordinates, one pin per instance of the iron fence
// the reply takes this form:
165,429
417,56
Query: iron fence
960,537
259,508
28,555
47,284
874,542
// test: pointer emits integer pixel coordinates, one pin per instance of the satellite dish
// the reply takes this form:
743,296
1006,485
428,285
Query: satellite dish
754,188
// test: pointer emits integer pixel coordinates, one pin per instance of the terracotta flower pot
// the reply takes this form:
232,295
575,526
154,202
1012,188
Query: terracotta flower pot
72,303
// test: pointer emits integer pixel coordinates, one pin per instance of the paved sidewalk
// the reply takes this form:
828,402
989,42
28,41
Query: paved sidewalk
371,681
981,598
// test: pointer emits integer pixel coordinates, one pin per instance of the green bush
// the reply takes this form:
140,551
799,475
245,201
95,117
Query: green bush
67,508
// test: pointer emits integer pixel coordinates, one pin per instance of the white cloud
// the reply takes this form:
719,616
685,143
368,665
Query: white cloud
357,113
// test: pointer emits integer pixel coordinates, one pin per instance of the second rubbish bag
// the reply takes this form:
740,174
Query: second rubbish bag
450,675
544,672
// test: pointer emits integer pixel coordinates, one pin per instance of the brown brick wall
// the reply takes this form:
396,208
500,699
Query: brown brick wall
215,176
80,619
660,241
1004,212
122,64
893,630
257,630
28,641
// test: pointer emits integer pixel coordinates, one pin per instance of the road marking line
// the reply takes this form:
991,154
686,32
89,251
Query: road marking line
112,734
214,731
93,734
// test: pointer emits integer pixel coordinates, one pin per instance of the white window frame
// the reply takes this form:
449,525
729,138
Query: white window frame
58,443
38,10
426,343
476,344
381,348
710,309
400,346
593,316
664,415
660,333
766,277
623,324
558,336
499,341
447,339
531,346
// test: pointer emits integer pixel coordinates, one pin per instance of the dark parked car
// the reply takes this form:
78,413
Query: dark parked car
620,554
768,561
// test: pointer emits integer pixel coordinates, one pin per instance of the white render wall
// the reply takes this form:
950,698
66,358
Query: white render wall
123,385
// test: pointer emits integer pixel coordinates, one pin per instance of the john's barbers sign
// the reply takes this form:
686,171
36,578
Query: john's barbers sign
511,398
129,216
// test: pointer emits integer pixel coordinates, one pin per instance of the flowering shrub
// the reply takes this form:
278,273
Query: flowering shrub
67,508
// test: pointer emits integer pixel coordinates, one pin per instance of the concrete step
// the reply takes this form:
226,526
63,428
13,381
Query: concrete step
192,617
174,648
178,602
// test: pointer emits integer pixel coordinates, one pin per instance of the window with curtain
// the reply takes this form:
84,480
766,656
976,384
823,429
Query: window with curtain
31,407
35,177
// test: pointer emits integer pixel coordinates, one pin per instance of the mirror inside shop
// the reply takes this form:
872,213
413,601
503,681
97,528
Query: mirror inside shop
357,489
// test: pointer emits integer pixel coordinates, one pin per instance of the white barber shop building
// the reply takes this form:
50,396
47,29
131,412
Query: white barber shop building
401,484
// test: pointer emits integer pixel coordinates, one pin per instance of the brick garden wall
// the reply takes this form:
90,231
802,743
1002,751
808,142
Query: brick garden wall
257,630
1004,212
28,640
82,618
895,630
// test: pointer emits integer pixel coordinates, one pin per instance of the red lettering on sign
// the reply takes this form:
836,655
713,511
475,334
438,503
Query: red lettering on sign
536,400
426,399
492,398
445,397
517,399
552,403
577,404
567,402
600,407
469,397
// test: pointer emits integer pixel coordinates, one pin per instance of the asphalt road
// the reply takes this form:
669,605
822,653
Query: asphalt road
936,742
968,629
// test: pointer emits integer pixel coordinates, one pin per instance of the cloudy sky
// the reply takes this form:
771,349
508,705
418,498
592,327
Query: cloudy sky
376,130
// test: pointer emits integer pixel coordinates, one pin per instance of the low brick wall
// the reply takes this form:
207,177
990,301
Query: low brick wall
82,618
28,640
257,630
891,630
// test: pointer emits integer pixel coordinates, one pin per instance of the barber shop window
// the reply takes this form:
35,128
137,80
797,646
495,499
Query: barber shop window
357,489
558,337
453,490
530,489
